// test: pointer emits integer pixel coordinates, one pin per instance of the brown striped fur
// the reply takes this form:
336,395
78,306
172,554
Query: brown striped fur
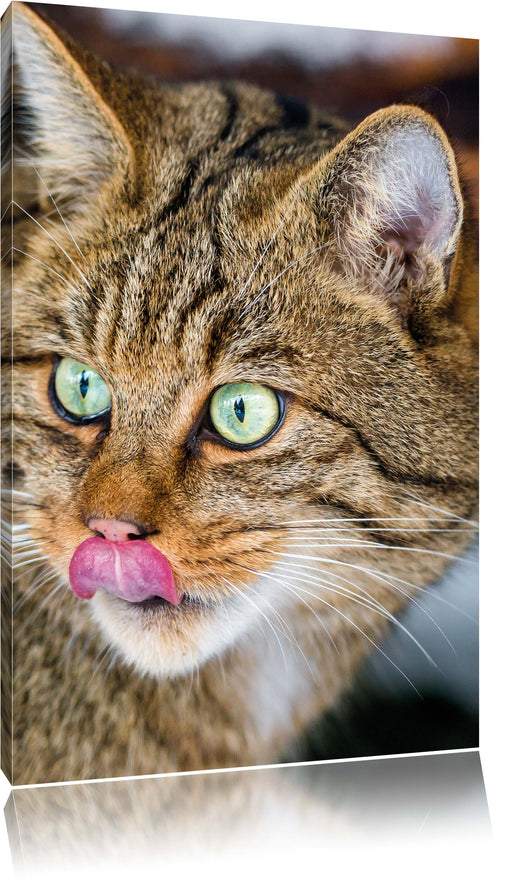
172,196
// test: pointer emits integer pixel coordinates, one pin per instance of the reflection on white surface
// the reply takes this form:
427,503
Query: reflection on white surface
425,800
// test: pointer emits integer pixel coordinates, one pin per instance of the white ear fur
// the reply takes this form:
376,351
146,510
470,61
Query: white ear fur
396,195
74,138
413,198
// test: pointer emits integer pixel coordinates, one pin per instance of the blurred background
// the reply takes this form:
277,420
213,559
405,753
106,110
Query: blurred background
352,73
349,72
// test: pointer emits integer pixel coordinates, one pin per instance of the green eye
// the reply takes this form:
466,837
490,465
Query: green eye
245,413
81,391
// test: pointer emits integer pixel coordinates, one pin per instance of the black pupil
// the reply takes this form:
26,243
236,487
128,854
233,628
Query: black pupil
240,409
84,384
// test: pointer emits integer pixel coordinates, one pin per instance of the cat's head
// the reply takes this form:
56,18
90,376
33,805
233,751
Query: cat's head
241,336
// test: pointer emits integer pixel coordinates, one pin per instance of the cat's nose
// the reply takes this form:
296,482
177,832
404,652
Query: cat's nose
116,531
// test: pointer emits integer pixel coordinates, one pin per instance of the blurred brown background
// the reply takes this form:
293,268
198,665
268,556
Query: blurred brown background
347,71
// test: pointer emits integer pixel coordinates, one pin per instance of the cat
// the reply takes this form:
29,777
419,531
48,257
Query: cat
242,344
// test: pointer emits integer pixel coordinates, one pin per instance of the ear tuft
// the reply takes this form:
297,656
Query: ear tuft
66,129
394,188
414,198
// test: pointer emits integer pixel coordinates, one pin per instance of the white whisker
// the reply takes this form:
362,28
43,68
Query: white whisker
299,530
260,612
372,605
269,243
370,545
275,579
362,632
374,518
289,267
381,577
410,497
58,244
58,210
31,561
46,266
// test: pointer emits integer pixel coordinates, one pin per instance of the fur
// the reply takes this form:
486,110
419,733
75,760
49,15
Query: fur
177,240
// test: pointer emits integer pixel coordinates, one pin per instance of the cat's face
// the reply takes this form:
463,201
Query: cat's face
240,356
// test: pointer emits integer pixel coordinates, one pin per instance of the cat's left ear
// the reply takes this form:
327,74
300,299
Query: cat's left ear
67,131
391,188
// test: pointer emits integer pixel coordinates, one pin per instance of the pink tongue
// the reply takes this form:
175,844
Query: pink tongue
134,570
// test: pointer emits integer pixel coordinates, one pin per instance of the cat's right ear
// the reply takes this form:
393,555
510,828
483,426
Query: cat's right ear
65,130
391,194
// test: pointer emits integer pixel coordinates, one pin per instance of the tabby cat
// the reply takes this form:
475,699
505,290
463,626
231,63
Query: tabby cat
244,409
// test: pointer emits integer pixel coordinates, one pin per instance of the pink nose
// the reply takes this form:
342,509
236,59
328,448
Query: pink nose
115,531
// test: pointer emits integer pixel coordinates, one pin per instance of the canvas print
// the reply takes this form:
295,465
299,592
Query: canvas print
240,414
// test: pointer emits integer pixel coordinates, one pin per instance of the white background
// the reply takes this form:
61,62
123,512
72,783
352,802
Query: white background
488,22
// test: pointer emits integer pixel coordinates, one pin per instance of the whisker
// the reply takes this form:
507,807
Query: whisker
384,578
31,561
362,632
23,547
59,585
408,497
275,579
373,605
370,545
23,556
46,266
382,529
345,519
101,656
289,267
58,244
289,635
269,243
58,210
230,585
114,658
253,604
287,631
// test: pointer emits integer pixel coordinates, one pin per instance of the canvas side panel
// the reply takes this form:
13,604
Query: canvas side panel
7,458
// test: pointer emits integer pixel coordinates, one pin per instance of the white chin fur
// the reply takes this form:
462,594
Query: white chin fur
166,647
